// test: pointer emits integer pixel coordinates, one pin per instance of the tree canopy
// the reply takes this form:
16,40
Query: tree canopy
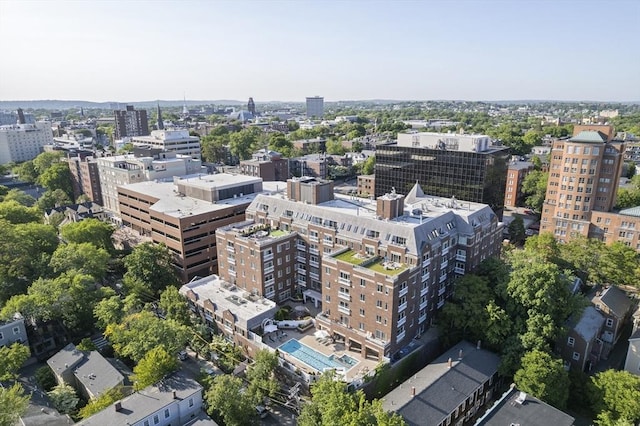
227,401
84,257
153,366
13,404
13,357
543,377
92,231
616,396
149,270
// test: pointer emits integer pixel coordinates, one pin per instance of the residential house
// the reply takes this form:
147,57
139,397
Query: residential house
615,305
176,400
13,331
76,212
518,408
632,364
583,346
86,371
450,390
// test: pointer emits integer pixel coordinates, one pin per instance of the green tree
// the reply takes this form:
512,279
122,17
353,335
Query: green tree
14,212
84,257
534,186
227,401
64,398
334,147
260,375
13,357
516,231
103,401
543,377
26,171
13,404
108,311
156,364
58,176
52,199
369,165
616,397
174,306
627,198
91,231
243,143
331,404
44,161
45,378
138,333
620,265
149,270
86,344
214,147
279,143
20,196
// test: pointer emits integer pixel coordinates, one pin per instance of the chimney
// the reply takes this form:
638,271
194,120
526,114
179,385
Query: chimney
479,345
460,354
450,363
175,396
118,406
413,391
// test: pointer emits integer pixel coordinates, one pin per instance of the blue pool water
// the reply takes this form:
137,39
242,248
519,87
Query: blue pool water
315,359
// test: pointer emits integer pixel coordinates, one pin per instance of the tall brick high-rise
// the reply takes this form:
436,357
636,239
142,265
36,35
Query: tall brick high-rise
131,122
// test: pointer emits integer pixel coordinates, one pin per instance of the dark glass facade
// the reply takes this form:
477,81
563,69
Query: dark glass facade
469,176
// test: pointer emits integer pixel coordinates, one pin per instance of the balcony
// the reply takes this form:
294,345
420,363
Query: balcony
424,304
426,276
270,281
268,270
314,275
345,296
313,251
403,291
267,256
231,249
270,295
426,262
301,246
402,321
345,281
440,304
301,258
424,291
422,318
327,243
444,264
400,337
232,272
402,307
344,310
442,290
301,271
443,278
231,260
313,238
458,270
302,283
314,264
462,257
445,251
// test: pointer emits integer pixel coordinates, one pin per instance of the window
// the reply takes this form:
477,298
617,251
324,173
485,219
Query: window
190,402
576,356
146,423
609,322
166,413
1,336
571,341
156,419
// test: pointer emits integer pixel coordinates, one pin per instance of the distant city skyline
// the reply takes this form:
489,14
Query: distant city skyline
123,51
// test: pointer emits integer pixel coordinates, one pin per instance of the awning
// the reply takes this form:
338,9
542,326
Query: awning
270,328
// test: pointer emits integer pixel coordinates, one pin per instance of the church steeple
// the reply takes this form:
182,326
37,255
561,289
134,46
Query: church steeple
160,121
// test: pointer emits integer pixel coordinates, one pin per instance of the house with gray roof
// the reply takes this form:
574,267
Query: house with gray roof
176,400
518,408
615,305
450,390
86,371
582,347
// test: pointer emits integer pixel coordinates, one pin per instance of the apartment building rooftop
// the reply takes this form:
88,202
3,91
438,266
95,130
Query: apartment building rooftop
213,292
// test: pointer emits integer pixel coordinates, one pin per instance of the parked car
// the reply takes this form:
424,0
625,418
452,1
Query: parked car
262,411
183,355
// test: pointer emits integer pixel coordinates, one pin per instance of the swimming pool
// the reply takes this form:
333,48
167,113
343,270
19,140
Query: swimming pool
315,359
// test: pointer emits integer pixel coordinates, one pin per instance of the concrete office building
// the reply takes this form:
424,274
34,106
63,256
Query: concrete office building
467,167
143,165
131,122
22,142
379,269
584,175
178,141
184,215
315,107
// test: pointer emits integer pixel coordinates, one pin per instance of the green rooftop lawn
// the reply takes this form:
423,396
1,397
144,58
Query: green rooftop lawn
350,256
278,233
377,267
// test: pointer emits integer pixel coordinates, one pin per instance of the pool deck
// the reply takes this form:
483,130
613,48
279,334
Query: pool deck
275,340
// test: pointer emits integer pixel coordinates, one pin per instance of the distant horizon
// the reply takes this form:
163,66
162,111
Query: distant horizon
339,49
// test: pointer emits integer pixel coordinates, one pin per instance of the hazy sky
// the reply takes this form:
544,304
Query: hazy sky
132,50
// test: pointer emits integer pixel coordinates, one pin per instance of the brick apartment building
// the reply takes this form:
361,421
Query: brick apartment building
184,215
85,177
366,185
584,175
267,165
378,269
516,172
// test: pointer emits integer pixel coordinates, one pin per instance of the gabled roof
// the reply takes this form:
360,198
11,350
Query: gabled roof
631,211
415,194
518,408
589,136
616,300
440,389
